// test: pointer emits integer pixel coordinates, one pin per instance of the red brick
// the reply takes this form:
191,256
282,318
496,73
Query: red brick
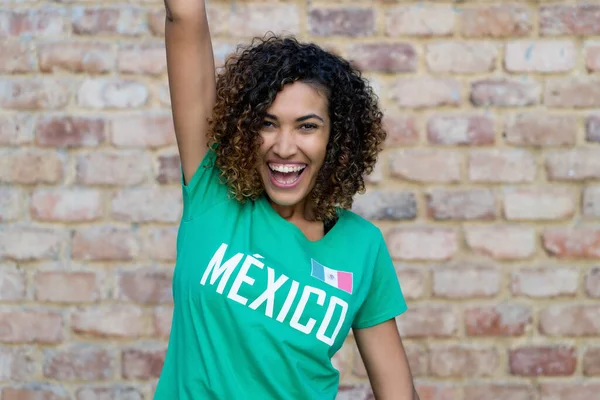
127,21
496,21
384,57
16,129
77,57
159,244
543,361
471,130
500,391
575,92
460,282
592,282
437,391
591,362
506,319
543,282
12,284
104,243
11,204
66,286
406,243
18,363
35,392
146,286
426,165
461,57
592,57
386,205
69,131
592,128
417,359
570,320
351,391
501,166
79,362
413,282
156,22
462,361
580,19
348,21
573,165
461,204
152,130
45,22
28,167
502,242
428,321
161,92
218,15
147,58
539,203
256,19
109,393
569,391
591,201
163,318
376,176
66,205
112,93
572,242
30,94
540,56
503,92
169,169
401,130
222,49
541,130
142,363
17,58
23,243
122,321
31,326
420,20
121,168
147,205
425,92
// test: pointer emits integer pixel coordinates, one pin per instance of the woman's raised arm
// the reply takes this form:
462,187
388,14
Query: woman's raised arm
191,72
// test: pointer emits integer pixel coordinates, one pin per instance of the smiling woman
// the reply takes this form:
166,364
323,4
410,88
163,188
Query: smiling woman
273,269
294,140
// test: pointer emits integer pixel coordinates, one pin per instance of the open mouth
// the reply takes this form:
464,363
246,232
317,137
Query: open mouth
286,175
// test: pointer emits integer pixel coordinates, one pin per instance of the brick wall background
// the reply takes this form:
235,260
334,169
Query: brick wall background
487,190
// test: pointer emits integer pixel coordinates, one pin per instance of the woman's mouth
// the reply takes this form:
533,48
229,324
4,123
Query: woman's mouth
286,175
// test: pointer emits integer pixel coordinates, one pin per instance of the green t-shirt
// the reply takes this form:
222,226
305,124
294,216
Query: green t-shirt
260,310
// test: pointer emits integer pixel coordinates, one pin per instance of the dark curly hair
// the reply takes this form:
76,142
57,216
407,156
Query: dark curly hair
246,87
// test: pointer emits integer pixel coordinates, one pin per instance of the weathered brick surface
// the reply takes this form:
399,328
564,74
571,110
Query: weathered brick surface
487,190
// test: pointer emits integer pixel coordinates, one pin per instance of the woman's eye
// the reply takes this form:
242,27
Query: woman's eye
308,127
267,124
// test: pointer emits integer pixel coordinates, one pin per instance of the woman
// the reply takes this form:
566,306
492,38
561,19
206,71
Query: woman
272,269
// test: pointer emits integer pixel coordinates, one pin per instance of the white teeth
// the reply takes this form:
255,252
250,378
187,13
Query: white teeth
286,168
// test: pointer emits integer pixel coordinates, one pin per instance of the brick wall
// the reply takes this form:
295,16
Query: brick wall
487,190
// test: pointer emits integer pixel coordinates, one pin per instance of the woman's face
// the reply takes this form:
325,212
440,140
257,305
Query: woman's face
294,136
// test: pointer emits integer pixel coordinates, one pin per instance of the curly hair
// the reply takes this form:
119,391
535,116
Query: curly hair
246,87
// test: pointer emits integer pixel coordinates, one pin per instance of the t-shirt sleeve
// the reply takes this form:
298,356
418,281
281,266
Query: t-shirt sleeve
205,189
384,299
